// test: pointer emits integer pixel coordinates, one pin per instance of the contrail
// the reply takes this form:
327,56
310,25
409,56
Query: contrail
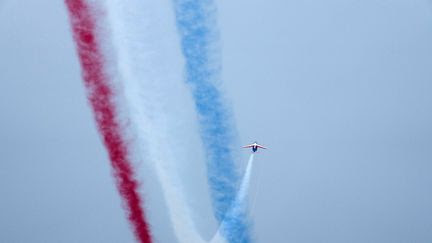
239,210
196,23
244,188
101,97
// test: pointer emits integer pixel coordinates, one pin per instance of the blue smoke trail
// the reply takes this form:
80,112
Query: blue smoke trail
199,42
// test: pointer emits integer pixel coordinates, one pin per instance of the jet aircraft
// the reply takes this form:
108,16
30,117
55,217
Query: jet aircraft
254,146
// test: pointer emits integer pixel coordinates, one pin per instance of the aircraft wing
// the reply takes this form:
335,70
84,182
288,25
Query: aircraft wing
248,146
260,146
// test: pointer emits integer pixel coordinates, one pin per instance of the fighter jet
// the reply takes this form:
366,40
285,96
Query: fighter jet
254,146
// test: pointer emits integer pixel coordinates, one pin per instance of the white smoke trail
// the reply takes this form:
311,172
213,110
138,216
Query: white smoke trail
244,187
147,67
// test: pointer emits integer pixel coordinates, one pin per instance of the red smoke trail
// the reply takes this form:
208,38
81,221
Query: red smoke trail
101,97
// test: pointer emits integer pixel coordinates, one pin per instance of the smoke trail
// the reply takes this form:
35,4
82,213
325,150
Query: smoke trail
199,38
239,210
146,103
244,188
160,112
101,97
231,225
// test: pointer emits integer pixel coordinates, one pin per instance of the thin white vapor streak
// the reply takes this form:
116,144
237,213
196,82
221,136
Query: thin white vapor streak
241,202
244,187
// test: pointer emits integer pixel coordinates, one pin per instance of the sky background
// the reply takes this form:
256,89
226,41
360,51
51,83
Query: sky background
339,90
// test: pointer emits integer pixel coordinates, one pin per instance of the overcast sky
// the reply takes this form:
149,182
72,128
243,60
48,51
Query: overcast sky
339,90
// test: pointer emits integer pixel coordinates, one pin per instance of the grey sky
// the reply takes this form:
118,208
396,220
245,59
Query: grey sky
339,90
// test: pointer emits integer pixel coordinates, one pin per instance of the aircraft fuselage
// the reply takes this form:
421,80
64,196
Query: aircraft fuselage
254,148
